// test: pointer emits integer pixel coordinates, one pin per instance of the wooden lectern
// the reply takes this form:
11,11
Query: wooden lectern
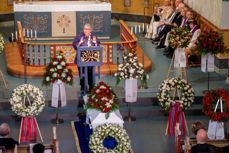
89,57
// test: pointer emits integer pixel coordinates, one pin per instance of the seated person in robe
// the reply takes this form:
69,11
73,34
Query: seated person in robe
195,30
160,14
86,38
5,140
165,27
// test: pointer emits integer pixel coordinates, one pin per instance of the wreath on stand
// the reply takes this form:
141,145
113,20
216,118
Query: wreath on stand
183,89
25,92
210,101
109,130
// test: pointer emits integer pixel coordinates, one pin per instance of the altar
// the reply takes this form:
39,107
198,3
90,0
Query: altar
63,19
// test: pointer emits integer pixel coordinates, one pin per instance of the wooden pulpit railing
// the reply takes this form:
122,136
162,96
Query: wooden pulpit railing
39,53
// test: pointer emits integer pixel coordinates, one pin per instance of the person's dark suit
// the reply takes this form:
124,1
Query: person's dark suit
167,28
205,148
89,69
8,143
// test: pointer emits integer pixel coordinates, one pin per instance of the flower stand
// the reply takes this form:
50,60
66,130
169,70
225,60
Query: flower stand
130,96
176,115
216,128
179,62
58,88
28,130
207,63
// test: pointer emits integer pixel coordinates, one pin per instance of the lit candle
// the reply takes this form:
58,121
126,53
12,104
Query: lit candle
54,132
27,31
139,28
131,30
35,33
57,147
143,27
31,31
16,34
23,31
12,36
135,29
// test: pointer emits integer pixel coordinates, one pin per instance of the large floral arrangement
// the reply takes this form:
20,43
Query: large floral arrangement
210,42
1,43
180,86
102,97
179,37
109,130
131,69
210,101
57,71
27,100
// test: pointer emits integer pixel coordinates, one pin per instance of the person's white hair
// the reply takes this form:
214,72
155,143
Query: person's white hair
87,25
4,129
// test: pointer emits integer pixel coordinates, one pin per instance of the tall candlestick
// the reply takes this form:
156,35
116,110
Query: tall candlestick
147,30
12,36
16,34
57,147
135,29
54,132
143,27
24,32
35,33
139,28
27,31
131,30
31,31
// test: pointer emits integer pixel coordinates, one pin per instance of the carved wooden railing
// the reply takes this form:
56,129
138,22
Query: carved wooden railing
39,54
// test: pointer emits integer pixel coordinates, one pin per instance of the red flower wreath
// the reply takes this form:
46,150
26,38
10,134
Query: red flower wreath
102,97
209,102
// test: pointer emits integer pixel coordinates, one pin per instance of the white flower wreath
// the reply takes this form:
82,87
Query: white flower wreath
112,130
184,91
23,93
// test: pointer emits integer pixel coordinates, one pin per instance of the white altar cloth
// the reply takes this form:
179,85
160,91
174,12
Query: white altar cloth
95,118
61,6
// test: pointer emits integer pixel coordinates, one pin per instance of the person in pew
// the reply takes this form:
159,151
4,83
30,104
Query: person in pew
202,146
38,148
86,38
165,27
160,14
197,125
5,140
191,50
188,18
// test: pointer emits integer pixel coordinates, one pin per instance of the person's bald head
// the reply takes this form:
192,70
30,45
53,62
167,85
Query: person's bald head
201,136
4,129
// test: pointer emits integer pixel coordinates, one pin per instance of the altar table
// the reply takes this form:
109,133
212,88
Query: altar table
63,19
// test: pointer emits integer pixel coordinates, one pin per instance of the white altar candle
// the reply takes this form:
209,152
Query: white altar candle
135,29
143,27
27,31
139,28
35,33
31,31
12,36
16,34
54,132
57,147
221,104
131,30
23,31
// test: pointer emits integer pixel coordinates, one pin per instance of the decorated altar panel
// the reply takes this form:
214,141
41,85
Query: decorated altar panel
63,18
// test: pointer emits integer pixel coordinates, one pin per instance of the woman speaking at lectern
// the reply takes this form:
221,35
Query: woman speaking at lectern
86,38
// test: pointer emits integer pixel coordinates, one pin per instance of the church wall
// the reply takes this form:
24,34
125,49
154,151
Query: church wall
137,7
6,7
